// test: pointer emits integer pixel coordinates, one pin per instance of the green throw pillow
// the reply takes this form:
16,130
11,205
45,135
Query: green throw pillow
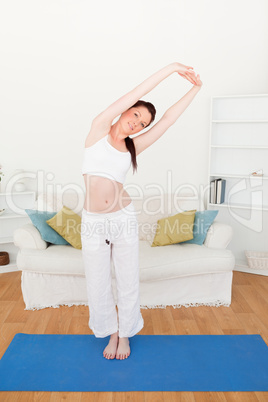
174,229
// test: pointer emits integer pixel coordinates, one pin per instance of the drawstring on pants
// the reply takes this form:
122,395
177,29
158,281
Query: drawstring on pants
107,223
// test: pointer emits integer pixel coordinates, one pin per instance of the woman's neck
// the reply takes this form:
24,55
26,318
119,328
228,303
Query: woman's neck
116,133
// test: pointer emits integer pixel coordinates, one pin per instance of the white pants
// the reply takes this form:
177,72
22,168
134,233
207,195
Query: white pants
105,236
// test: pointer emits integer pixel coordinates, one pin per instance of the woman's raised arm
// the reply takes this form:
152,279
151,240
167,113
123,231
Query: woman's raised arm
146,139
129,99
174,112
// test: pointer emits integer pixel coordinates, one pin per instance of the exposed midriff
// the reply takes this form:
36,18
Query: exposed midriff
104,195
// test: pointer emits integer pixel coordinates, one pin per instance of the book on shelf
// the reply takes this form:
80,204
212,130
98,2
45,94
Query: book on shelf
217,191
212,192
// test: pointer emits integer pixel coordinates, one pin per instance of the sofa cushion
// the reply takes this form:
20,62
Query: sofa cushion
156,263
68,224
174,229
181,259
55,259
202,222
48,234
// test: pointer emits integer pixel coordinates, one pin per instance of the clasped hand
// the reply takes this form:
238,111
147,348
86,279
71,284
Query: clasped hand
188,73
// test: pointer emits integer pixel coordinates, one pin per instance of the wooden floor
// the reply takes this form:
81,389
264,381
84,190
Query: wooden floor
248,314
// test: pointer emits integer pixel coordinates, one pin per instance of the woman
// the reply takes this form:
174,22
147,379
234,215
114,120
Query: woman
110,227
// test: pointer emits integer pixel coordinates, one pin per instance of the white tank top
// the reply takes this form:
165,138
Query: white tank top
102,159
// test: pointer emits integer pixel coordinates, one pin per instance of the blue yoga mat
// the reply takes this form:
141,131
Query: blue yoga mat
156,363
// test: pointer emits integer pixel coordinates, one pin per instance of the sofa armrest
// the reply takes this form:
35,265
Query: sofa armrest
28,236
219,235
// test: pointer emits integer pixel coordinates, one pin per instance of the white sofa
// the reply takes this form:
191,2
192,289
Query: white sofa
174,275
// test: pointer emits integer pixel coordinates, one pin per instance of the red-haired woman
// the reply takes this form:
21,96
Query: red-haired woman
109,222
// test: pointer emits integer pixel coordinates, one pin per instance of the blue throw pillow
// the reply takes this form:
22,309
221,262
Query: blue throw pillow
48,234
202,222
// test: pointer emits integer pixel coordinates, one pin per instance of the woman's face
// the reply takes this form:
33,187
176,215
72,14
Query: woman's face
135,119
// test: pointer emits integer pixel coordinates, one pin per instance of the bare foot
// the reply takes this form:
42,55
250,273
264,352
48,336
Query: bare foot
123,350
110,350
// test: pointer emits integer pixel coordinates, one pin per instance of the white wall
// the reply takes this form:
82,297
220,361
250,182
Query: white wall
64,61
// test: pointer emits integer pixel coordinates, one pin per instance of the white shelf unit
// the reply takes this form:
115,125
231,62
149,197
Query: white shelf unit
13,217
239,147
